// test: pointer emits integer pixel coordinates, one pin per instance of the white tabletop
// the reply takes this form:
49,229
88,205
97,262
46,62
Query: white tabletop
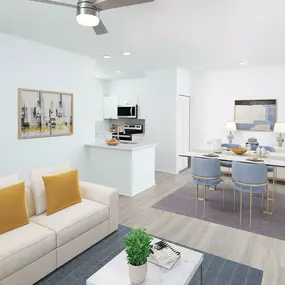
117,270
272,159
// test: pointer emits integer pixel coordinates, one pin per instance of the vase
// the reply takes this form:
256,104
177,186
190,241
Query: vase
137,273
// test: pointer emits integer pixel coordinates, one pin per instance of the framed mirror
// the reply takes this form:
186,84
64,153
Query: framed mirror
44,114
256,115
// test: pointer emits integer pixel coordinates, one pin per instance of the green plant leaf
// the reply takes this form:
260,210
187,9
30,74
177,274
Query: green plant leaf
138,245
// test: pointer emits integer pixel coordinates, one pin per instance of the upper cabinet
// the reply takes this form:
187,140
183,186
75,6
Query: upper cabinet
128,99
110,107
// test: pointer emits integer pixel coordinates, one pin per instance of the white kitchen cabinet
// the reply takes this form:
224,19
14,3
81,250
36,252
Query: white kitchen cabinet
130,168
128,99
110,107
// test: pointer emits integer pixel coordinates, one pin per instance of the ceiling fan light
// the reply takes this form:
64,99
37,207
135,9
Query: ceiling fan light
88,17
88,20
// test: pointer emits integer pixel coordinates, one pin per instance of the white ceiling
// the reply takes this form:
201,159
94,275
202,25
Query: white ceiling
196,34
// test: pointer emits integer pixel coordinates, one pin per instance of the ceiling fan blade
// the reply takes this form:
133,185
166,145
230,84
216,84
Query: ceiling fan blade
55,3
100,29
112,4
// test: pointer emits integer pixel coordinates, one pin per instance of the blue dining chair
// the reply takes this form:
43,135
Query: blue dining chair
228,164
249,178
205,172
231,145
270,149
273,170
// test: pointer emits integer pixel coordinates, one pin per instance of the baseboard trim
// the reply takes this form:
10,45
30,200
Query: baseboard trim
169,172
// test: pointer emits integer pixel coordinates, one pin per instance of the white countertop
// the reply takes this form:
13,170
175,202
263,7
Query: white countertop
120,146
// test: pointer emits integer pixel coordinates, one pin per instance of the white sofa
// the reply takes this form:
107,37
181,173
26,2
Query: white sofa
30,252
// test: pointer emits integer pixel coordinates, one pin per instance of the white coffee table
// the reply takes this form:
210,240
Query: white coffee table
117,270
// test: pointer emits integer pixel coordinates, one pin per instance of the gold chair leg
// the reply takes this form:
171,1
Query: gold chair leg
240,208
274,189
204,201
223,197
234,200
197,192
250,206
267,199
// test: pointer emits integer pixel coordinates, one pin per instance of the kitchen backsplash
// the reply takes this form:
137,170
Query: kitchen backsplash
104,126
127,122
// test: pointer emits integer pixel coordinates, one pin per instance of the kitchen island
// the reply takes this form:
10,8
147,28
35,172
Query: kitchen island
130,168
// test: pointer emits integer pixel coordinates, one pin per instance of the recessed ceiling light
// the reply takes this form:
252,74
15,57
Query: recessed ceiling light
241,63
118,71
107,56
126,53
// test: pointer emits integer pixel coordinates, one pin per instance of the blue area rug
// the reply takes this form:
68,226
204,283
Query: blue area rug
183,202
216,270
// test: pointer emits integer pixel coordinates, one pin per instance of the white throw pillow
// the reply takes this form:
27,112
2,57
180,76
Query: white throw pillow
9,180
38,187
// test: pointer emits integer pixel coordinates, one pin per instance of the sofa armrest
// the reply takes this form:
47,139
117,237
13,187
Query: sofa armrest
104,195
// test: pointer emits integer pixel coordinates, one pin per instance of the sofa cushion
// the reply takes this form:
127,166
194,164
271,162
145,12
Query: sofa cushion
30,202
22,246
38,188
62,191
73,221
13,208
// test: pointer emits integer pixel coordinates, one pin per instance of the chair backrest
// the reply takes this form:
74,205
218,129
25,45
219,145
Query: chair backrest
231,145
205,167
268,148
249,173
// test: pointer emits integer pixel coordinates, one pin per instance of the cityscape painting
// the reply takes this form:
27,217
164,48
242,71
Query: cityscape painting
44,114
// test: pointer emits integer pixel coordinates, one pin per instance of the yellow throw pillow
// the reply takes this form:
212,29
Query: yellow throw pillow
13,207
62,191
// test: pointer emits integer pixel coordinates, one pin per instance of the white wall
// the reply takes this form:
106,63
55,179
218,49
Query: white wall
27,64
213,101
156,97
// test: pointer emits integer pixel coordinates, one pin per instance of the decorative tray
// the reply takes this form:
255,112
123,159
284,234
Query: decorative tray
260,155
210,155
253,159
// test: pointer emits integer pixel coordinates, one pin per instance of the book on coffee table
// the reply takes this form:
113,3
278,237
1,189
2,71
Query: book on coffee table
162,254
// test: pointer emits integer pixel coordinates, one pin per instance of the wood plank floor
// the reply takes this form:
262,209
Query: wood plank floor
265,253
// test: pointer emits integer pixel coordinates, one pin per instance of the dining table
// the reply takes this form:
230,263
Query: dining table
274,159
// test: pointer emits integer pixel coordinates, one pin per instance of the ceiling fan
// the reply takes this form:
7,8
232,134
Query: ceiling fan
88,11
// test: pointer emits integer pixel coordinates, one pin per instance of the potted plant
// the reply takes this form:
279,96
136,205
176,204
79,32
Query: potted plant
138,245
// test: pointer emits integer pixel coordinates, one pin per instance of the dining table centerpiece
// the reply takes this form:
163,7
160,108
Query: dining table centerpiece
239,150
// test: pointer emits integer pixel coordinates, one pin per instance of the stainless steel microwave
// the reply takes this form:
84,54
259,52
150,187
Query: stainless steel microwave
128,111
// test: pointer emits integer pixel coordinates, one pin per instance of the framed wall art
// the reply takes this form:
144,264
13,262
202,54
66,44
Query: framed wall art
44,113
256,115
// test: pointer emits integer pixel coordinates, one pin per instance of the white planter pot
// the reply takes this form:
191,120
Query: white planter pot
137,273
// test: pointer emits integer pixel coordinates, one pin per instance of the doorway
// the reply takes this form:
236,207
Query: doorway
183,130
